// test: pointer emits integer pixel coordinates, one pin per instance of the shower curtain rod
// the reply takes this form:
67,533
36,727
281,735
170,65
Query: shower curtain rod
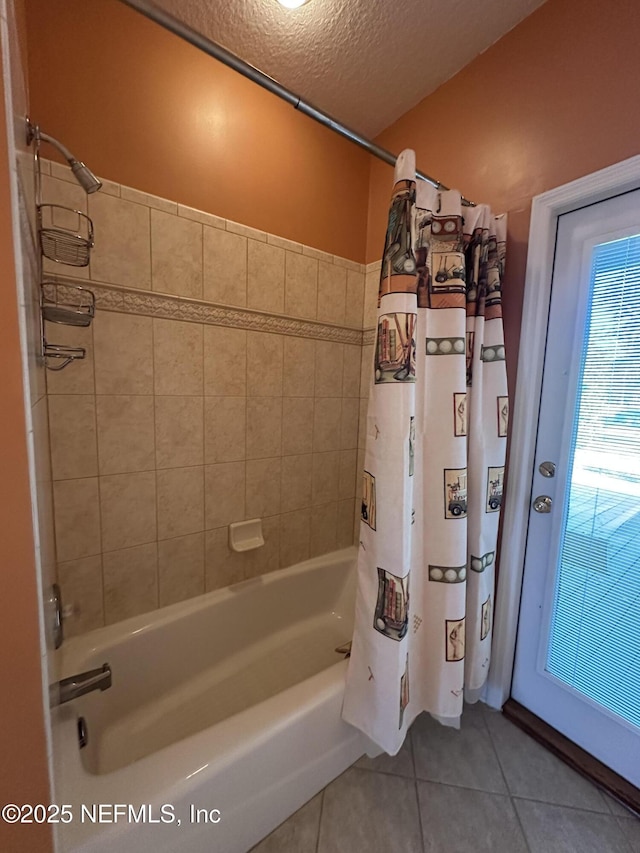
178,28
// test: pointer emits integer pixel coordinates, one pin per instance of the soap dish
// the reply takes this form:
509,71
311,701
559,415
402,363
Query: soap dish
246,535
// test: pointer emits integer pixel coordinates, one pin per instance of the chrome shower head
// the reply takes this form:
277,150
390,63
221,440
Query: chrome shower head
83,174
85,177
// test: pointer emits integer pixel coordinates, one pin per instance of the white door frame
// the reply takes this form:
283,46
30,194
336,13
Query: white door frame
545,210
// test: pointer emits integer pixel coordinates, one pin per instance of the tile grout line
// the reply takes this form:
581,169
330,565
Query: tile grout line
415,786
155,471
320,819
95,409
504,778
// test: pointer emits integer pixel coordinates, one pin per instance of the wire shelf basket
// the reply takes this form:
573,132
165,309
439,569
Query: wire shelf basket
62,354
66,235
69,304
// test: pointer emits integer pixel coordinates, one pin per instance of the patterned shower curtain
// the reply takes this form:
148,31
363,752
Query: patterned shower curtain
434,465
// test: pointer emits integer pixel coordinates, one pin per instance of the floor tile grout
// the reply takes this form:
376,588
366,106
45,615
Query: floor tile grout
623,833
561,805
506,783
320,817
415,786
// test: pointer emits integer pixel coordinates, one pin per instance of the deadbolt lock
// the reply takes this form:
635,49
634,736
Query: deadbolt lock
547,469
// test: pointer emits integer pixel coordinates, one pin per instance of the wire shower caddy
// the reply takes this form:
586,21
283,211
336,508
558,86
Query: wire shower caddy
65,236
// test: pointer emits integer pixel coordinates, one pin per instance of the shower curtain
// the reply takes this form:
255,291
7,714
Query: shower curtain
434,465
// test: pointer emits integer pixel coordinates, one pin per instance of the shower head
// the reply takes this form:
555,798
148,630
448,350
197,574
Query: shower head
83,174
85,177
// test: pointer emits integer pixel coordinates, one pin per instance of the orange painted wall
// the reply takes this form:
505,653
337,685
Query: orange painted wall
551,101
23,762
144,108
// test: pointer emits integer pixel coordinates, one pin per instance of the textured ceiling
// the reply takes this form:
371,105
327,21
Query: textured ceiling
366,62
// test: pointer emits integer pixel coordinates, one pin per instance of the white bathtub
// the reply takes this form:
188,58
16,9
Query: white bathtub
228,702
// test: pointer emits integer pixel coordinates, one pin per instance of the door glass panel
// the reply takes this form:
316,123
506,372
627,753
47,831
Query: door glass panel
594,643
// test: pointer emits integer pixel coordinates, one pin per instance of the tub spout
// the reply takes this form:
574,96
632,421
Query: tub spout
84,682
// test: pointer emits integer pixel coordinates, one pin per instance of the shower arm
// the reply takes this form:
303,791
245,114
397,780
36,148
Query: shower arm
80,170
169,22
35,134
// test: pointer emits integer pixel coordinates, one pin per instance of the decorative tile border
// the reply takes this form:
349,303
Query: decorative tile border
110,297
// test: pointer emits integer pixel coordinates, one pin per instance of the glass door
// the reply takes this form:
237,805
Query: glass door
578,652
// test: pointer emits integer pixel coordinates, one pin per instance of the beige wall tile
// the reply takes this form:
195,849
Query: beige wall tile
366,370
225,426
324,529
332,289
283,243
265,282
266,558
347,482
149,200
109,187
265,355
359,474
345,524
299,367
176,255
263,487
128,509
296,482
247,231
180,501
130,582
122,254
351,371
123,353
44,489
355,299
180,568
81,590
79,378
72,428
348,264
295,537
126,435
77,518
349,423
325,477
225,267
326,424
224,487
297,425
318,254
225,361
371,287
59,189
223,567
301,286
264,427
178,357
362,422
329,364
202,217
179,431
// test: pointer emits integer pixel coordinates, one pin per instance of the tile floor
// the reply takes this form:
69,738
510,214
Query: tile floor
487,788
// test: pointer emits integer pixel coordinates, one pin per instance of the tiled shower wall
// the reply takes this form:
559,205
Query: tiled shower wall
187,416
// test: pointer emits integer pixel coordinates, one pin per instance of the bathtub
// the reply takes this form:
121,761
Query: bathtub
222,720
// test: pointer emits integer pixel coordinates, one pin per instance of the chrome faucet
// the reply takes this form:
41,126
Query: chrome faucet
84,682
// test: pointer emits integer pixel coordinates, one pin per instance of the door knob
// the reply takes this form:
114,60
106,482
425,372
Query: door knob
542,503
